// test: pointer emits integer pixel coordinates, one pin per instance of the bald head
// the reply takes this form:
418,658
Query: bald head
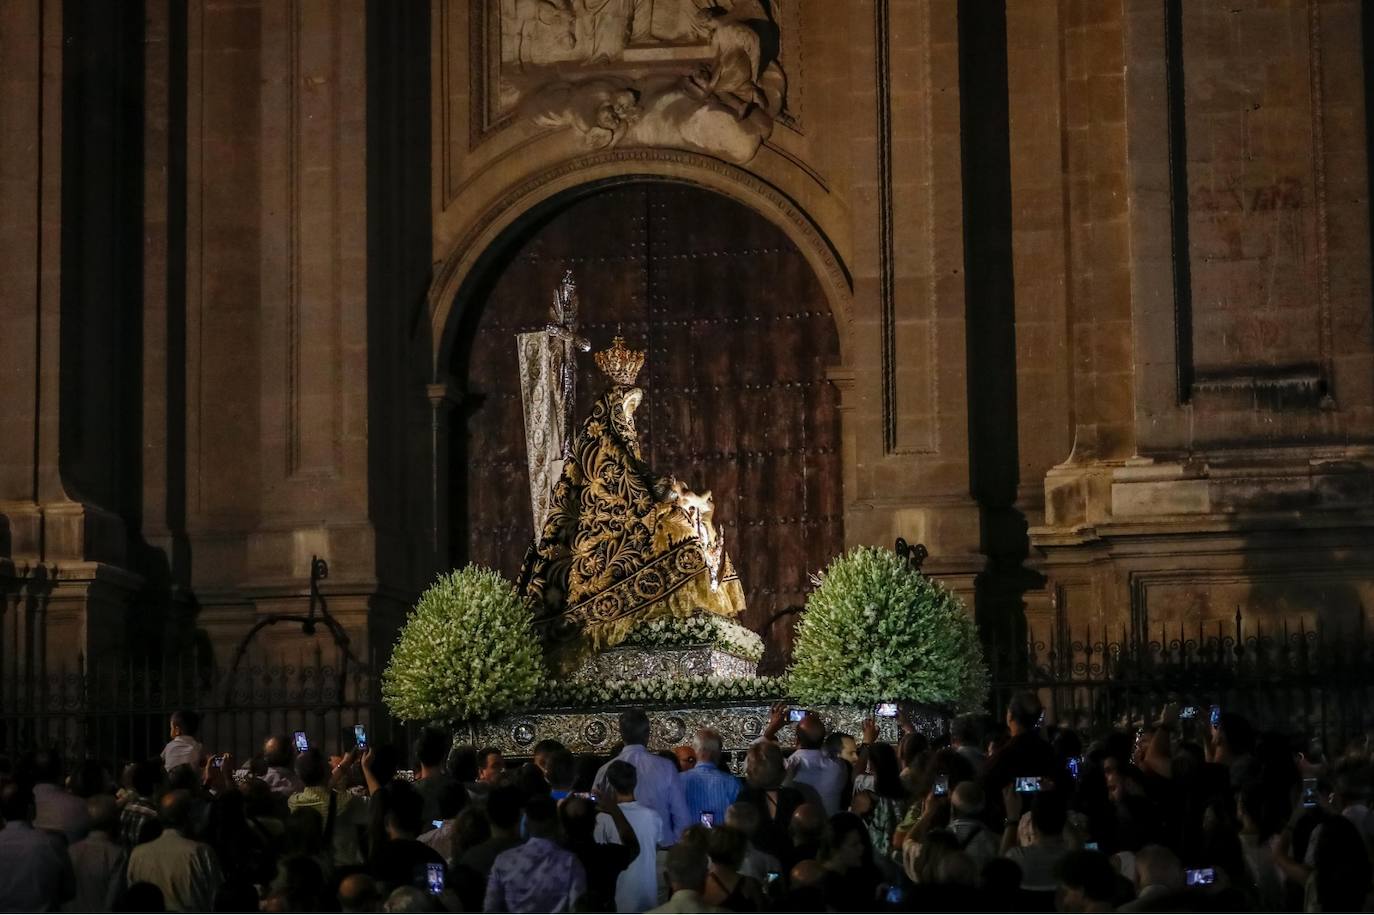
175,810
806,873
743,816
809,822
1156,865
274,751
104,813
967,799
358,893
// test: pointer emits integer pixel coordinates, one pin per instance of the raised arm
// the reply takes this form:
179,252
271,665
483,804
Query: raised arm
609,804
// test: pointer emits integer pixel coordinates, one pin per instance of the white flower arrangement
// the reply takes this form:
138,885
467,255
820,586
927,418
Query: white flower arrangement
701,629
660,690
877,630
467,653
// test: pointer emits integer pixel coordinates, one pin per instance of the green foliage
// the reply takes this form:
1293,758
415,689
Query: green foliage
876,630
467,653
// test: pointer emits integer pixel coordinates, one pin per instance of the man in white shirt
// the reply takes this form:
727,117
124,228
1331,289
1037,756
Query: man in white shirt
809,764
636,890
658,785
183,749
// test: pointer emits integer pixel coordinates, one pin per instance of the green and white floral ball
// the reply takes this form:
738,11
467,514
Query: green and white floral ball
877,630
467,653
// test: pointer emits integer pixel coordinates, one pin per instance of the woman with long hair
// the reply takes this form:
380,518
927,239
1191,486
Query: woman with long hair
882,805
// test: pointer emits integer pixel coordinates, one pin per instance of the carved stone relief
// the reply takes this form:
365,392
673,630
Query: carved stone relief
689,74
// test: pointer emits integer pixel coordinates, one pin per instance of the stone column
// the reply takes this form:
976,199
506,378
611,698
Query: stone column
907,411
313,456
66,552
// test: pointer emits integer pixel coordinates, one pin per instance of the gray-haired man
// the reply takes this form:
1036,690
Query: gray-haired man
710,790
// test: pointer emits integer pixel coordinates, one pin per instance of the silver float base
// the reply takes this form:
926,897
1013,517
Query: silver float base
595,730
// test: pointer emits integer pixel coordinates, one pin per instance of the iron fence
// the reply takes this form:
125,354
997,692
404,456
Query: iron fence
118,710
1314,681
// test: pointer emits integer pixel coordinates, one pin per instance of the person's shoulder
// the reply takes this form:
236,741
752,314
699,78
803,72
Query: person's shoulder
504,856
648,814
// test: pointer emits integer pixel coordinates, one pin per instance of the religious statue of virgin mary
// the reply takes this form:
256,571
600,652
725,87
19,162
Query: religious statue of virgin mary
620,547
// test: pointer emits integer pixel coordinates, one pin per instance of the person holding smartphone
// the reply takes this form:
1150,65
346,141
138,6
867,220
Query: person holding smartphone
884,803
709,790
321,789
1040,854
809,764
279,755
1027,753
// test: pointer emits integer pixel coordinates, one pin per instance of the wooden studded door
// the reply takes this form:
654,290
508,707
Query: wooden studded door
739,337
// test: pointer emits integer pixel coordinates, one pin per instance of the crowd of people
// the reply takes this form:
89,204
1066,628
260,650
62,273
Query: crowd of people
1196,812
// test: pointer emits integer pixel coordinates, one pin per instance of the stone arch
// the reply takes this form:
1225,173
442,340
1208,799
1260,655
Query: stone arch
780,480
589,173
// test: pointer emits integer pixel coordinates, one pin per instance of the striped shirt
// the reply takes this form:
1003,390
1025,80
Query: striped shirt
138,822
709,790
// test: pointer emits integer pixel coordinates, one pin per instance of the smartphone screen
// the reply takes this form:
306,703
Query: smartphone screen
438,824
1216,716
1201,876
796,714
894,895
1188,711
886,710
360,736
1027,784
301,743
1309,792
1075,766
941,786
708,819
217,761
1090,846
434,877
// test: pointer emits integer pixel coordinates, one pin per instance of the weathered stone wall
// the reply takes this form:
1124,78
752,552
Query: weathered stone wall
1100,274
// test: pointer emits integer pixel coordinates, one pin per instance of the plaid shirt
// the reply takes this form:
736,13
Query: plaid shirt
138,823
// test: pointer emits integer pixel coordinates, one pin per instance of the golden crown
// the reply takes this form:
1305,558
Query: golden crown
619,362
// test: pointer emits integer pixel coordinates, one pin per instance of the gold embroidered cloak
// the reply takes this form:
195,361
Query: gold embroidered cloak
617,548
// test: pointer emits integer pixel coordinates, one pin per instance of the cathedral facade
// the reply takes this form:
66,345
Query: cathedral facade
1076,294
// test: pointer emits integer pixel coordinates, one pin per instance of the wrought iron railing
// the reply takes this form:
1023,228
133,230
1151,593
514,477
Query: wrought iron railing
1314,680
117,710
